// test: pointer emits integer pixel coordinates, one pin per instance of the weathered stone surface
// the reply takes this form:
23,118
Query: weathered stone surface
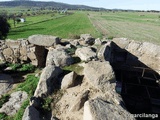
104,52
99,74
97,109
31,55
98,41
44,40
150,49
79,101
23,51
47,78
88,39
13,44
6,82
58,57
14,103
85,53
31,113
122,42
2,58
75,43
8,52
68,80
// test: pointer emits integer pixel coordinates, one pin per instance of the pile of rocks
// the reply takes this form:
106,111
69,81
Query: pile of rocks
91,96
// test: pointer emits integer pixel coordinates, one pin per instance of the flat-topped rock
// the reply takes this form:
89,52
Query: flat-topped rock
44,40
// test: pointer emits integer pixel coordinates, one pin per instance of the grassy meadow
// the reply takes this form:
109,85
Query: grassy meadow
141,26
66,26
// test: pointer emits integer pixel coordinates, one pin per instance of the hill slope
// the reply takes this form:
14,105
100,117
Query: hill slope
28,3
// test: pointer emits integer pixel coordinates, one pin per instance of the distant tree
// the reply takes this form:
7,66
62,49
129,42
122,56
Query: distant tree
4,27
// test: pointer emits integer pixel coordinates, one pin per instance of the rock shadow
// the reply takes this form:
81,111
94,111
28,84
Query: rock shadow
138,84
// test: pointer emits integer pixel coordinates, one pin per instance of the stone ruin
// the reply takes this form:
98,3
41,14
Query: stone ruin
134,65
33,50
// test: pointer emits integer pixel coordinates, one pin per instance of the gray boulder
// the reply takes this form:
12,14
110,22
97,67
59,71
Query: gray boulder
44,40
85,53
104,52
47,78
97,109
68,80
98,41
88,39
58,57
75,43
13,105
99,74
6,82
31,113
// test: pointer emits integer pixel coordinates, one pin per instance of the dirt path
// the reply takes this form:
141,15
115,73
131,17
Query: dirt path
99,25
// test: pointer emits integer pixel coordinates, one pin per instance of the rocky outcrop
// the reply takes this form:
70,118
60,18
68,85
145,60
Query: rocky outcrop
97,109
31,113
13,105
6,82
99,74
68,80
48,77
88,39
44,40
85,53
58,57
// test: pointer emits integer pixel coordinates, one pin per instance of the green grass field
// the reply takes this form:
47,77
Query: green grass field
64,27
132,25
138,26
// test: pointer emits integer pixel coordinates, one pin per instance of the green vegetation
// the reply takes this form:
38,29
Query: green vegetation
21,67
75,67
139,26
4,27
64,27
29,85
19,114
3,99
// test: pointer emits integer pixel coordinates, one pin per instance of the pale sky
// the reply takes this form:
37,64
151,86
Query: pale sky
111,4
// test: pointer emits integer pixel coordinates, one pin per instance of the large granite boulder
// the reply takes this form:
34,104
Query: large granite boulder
44,40
58,57
68,80
85,54
97,109
13,105
48,77
99,74
104,53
